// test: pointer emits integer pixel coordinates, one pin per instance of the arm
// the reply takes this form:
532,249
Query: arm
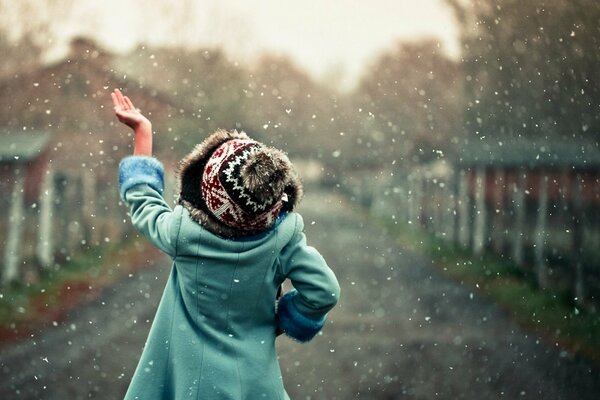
301,313
141,185
141,181
133,118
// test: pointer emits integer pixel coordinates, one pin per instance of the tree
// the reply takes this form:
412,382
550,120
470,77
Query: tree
285,107
17,56
206,86
27,30
410,103
531,68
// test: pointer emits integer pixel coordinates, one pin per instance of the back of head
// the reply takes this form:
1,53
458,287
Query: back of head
236,186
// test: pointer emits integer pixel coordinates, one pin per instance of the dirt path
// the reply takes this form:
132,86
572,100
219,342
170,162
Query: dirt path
93,353
405,331
402,330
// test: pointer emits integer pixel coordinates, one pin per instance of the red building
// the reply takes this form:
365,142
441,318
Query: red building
58,130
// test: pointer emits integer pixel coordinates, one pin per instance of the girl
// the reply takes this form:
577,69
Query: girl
234,239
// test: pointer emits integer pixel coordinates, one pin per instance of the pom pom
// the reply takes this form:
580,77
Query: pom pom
266,173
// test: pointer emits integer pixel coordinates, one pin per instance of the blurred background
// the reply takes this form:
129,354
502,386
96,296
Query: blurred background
449,149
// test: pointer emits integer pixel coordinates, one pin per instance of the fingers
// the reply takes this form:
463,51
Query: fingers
129,103
116,98
121,101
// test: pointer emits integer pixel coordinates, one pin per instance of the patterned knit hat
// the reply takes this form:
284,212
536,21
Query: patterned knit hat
235,186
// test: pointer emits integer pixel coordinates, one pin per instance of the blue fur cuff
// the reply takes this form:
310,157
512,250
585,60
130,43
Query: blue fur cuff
293,322
136,170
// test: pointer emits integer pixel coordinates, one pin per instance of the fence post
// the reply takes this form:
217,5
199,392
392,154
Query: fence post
442,209
499,211
89,208
12,252
424,216
438,214
74,206
464,215
540,234
479,231
113,227
577,243
449,209
409,199
415,199
519,215
45,244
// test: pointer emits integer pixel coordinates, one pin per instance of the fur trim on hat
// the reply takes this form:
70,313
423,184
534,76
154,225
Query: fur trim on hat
191,169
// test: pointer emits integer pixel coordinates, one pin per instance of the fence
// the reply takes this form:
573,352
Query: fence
72,212
545,222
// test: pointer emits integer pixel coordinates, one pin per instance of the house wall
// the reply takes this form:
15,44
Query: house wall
560,184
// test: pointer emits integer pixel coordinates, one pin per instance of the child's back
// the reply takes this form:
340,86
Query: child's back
214,333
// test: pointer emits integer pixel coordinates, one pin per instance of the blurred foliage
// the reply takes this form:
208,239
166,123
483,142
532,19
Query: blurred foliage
404,108
274,101
531,68
26,30
414,95
526,69
202,84
17,58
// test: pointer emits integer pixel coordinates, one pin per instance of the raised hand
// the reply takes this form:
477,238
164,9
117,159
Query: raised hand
133,118
126,111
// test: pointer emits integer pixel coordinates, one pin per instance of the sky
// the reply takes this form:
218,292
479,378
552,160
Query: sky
333,39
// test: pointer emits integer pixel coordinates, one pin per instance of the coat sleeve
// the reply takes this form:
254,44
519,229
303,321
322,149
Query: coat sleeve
141,184
301,313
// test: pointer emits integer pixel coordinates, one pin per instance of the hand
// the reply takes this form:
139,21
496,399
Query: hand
126,111
133,118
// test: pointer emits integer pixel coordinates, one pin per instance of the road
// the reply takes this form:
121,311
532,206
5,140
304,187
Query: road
402,330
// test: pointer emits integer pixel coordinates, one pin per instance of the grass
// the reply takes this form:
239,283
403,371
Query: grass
47,299
550,313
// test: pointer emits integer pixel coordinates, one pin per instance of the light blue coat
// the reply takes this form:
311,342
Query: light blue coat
214,333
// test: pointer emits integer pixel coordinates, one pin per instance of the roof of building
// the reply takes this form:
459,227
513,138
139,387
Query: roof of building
531,154
22,147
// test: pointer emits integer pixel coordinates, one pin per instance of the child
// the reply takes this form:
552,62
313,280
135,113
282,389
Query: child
234,239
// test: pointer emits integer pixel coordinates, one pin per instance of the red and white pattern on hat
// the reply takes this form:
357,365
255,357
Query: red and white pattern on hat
225,206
